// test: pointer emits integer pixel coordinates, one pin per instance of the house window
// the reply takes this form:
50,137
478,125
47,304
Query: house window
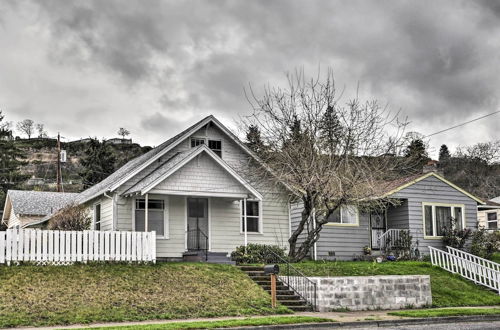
438,217
215,146
492,220
156,215
253,217
196,142
345,214
97,217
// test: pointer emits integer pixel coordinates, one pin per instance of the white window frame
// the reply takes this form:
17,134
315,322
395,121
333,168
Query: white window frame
488,220
434,224
197,138
166,219
94,216
260,223
341,223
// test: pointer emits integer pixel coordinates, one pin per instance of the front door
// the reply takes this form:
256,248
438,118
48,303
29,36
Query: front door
378,227
197,224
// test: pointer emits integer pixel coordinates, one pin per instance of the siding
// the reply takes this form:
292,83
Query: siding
482,218
433,190
106,212
201,174
345,242
397,216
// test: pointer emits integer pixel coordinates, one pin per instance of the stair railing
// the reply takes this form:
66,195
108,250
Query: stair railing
295,280
468,269
471,257
197,241
390,238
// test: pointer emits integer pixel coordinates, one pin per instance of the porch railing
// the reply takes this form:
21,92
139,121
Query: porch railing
197,240
295,280
390,238
473,258
54,247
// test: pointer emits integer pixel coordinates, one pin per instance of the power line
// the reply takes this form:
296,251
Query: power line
462,124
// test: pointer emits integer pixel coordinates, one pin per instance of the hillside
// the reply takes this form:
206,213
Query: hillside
41,157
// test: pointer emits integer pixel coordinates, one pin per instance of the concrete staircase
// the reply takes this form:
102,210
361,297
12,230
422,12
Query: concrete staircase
284,294
211,257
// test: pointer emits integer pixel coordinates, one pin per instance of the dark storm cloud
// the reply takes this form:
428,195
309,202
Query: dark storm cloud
434,59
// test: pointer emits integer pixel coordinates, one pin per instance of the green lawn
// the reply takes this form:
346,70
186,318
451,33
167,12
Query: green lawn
448,290
51,295
447,312
270,320
496,257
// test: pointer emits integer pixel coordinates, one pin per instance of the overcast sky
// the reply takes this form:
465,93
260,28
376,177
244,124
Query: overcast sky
86,68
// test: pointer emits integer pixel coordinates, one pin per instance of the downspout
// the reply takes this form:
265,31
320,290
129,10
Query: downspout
315,253
146,211
245,222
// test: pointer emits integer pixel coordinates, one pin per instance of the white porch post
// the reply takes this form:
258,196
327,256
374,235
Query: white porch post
315,254
146,219
245,221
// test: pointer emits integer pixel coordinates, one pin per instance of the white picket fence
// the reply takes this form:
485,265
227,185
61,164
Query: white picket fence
480,273
67,247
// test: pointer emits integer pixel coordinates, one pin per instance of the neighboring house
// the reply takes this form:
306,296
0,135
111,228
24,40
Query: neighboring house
488,215
194,190
23,208
426,203
119,141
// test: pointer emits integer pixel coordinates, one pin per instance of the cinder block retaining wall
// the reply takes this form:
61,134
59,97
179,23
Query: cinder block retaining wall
373,292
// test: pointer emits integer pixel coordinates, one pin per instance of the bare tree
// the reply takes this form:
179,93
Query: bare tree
327,153
27,127
41,131
123,132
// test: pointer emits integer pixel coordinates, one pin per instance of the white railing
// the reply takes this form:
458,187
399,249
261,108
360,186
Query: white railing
67,247
389,238
478,260
468,269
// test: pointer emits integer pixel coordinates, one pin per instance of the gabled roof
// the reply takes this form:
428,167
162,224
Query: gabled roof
136,165
38,203
392,187
178,161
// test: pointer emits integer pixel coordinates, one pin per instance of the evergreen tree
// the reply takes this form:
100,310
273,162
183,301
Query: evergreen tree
11,159
444,153
98,162
417,152
254,139
330,130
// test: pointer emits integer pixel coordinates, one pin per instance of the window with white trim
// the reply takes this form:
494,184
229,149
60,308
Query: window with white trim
156,215
345,214
492,218
97,217
197,141
215,146
438,217
253,217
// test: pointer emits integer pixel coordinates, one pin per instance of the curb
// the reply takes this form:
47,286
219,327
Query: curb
381,323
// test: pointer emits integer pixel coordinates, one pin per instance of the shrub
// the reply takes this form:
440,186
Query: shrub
456,238
485,243
71,217
258,254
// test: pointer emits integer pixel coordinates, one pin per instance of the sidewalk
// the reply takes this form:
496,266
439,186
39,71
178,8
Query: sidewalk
343,317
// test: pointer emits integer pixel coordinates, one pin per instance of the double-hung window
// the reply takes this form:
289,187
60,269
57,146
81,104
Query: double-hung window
97,217
492,220
156,216
344,215
252,216
437,217
196,142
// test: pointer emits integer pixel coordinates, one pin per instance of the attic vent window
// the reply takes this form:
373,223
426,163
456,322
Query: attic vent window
196,142
215,146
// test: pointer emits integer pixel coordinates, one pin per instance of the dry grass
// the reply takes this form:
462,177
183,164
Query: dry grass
89,293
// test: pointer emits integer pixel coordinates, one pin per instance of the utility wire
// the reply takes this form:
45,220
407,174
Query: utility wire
462,124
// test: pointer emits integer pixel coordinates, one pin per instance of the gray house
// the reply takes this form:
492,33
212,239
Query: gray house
195,190
426,203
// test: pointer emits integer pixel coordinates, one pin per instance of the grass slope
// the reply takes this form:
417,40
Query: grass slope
447,312
51,295
448,290
270,320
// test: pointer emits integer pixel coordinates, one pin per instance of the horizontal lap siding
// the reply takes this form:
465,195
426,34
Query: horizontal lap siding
346,242
106,212
397,216
433,190
174,246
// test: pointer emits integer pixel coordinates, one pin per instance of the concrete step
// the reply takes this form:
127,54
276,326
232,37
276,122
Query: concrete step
283,297
304,308
294,303
251,268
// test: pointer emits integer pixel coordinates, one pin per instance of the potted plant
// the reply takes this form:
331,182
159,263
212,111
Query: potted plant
367,250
